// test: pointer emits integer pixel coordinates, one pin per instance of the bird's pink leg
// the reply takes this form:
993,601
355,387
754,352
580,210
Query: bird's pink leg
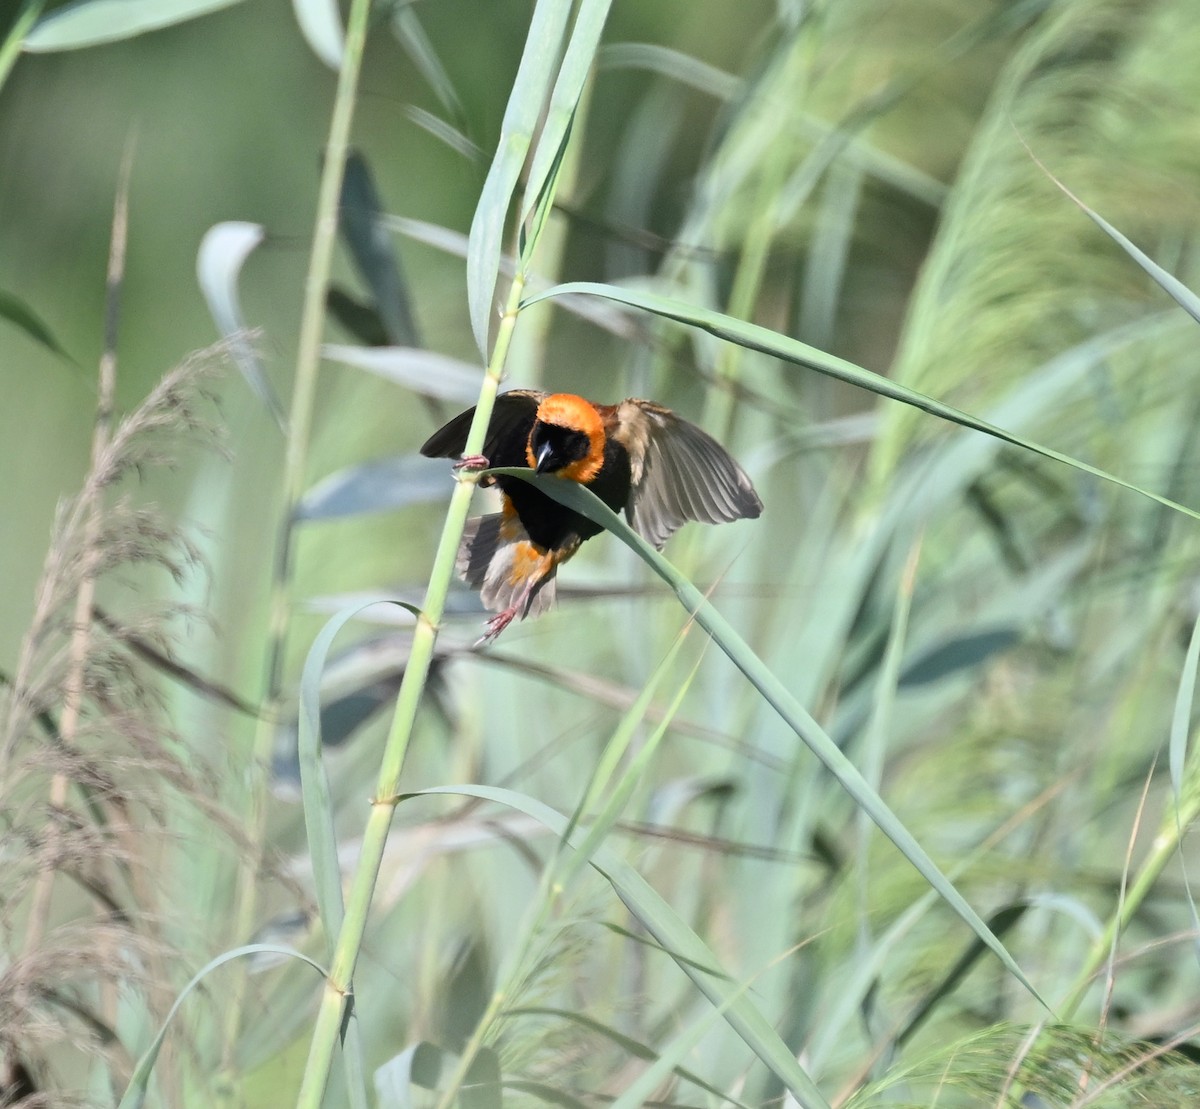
497,624
472,462
501,620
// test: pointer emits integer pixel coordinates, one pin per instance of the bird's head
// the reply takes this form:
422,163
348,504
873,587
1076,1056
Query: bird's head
567,438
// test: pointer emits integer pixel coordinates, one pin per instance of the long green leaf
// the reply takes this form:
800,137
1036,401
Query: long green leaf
675,64
424,371
693,955
602,823
634,1047
454,242
1181,719
456,139
762,339
321,27
407,28
135,1093
530,89
565,865
319,826
10,48
1001,921
1177,751
377,486
314,783
685,1041
1171,285
568,87
17,312
223,250
91,22
829,254
776,694
361,221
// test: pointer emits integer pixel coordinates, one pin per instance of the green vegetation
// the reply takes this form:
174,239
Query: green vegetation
881,799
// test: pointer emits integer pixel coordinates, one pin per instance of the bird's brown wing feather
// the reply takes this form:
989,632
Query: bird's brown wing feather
679,473
508,430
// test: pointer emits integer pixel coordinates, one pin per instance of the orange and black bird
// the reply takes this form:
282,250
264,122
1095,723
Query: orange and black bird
636,455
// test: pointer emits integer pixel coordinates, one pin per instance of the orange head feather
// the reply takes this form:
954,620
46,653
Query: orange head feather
565,410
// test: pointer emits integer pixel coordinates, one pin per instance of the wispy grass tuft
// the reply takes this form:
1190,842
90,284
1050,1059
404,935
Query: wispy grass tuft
86,794
566,874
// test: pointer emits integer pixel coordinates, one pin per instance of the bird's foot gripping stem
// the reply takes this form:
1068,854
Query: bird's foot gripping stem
471,464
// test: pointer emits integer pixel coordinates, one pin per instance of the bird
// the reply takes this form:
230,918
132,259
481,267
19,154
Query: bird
636,456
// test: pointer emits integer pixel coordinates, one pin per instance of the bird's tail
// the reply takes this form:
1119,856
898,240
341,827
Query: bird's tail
498,559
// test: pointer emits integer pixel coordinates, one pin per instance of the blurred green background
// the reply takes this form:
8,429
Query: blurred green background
228,113
998,641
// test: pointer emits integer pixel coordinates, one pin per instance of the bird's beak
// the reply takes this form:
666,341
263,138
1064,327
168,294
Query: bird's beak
543,457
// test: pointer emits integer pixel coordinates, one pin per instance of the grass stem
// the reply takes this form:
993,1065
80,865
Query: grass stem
294,478
339,986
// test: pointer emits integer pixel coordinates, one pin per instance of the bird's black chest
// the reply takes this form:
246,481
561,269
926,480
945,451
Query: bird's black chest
553,525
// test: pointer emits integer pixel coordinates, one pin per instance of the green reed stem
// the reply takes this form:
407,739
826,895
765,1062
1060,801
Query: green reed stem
1162,851
308,357
338,993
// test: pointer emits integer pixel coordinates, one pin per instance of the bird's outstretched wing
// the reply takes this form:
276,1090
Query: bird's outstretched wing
508,431
679,473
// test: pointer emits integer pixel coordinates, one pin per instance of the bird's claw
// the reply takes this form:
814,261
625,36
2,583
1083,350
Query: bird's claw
496,625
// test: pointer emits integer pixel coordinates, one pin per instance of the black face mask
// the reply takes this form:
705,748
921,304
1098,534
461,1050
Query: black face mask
555,447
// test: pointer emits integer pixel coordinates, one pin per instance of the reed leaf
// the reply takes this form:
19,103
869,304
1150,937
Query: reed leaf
753,337
679,941
773,691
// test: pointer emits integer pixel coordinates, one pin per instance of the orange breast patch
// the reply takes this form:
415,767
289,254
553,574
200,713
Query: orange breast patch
529,562
510,523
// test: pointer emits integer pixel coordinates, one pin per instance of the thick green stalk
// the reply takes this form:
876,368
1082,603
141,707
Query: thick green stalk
338,986
308,357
